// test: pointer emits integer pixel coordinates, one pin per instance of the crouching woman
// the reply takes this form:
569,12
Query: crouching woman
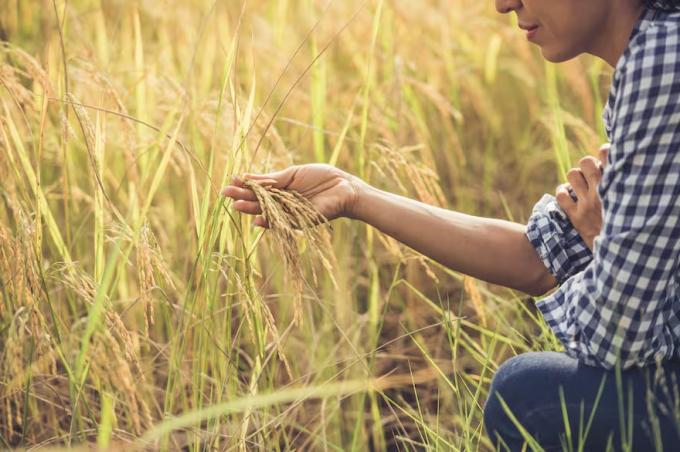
609,242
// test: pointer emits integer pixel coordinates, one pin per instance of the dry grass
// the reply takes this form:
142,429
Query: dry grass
135,304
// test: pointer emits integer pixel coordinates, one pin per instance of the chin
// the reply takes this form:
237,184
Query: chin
558,55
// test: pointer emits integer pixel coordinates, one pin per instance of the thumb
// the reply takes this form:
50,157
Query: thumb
276,179
603,153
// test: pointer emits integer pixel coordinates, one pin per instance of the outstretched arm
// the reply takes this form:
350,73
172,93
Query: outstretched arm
493,250
496,251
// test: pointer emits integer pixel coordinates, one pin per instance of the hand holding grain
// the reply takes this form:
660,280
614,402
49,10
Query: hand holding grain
331,191
585,213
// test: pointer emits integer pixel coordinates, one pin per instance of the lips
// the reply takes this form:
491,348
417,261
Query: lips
530,29
527,27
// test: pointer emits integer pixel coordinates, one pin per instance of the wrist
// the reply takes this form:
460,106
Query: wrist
362,192
588,238
590,241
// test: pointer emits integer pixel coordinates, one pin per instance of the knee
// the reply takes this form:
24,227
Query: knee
512,389
504,382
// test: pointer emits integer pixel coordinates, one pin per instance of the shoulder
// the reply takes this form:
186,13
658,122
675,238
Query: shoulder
643,112
646,82
648,73
654,49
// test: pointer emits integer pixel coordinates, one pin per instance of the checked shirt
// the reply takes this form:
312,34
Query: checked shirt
620,304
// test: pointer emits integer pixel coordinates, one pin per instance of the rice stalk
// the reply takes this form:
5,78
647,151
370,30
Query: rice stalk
291,216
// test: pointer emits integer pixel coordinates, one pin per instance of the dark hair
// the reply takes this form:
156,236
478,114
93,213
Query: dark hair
664,5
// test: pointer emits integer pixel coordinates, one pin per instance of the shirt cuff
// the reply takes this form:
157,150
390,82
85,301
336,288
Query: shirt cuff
557,243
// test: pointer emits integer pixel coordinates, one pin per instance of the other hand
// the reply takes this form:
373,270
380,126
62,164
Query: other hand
585,213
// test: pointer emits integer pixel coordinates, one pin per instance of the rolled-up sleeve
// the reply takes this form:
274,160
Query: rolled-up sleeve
557,243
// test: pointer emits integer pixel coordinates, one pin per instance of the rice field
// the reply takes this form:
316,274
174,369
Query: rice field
139,310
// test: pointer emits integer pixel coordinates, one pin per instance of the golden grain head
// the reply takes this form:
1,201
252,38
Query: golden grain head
291,218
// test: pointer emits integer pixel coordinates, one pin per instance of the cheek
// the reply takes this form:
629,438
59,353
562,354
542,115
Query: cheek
564,25
563,19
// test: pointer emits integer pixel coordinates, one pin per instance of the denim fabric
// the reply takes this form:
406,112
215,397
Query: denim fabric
647,400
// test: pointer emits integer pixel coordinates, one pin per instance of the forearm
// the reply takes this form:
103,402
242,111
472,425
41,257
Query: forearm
492,250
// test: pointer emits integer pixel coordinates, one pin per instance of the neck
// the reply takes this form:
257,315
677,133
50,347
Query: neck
616,31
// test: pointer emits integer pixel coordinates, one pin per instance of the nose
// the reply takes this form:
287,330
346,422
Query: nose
508,6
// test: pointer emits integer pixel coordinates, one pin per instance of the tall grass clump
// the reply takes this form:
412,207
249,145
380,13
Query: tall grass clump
138,309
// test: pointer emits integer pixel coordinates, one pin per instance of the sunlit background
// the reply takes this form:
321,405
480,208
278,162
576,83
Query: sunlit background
137,307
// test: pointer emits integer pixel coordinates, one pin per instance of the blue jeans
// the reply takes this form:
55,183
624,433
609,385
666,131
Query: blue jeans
637,411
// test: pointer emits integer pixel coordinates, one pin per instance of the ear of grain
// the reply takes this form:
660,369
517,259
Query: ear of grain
291,217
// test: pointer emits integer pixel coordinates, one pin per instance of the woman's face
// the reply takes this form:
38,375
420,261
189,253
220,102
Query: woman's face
562,28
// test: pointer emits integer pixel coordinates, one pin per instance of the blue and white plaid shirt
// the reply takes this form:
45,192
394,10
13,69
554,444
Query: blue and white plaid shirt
621,303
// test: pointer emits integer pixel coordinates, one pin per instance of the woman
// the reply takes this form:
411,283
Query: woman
609,241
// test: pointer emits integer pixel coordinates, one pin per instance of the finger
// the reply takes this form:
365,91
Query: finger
572,193
277,179
590,167
566,203
578,182
237,193
249,207
237,181
603,154
261,222
265,181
